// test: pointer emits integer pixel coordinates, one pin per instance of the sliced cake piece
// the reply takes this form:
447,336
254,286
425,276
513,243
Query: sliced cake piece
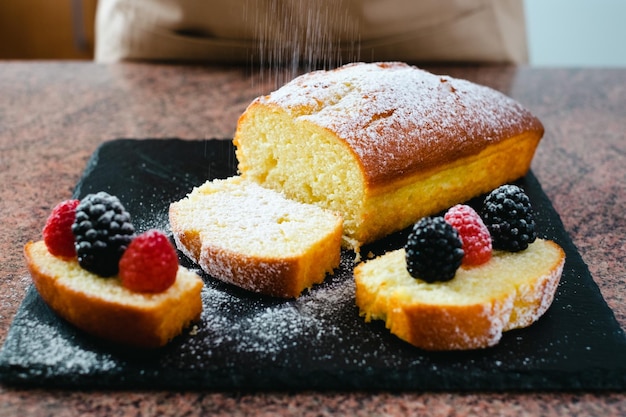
255,238
105,308
470,311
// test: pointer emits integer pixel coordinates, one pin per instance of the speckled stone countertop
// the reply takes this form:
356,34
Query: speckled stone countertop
53,115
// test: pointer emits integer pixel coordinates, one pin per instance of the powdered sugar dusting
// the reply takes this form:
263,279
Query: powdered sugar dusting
368,104
55,350
267,328
55,347
242,216
536,299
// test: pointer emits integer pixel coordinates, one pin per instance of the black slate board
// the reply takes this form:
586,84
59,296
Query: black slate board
318,342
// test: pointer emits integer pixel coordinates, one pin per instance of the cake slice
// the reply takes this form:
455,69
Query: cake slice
511,290
255,238
105,308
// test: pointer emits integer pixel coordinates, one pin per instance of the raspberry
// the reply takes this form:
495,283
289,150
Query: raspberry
474,234
508,215
433,250
102,230
149,264
57,233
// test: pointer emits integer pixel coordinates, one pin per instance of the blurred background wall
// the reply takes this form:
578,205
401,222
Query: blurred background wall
576,33
47,29
560,32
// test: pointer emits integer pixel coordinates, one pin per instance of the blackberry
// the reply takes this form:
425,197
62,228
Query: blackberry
508,215
102,232
433,250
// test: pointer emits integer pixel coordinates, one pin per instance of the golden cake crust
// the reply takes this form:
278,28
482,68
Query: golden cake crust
400,120
105,309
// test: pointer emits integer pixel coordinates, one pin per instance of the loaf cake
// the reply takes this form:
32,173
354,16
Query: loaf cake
255,238
512,290
103,307
384,143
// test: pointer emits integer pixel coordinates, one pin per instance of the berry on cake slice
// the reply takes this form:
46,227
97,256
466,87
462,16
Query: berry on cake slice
473,232
508,215
149,264
433,250
102,230
93,271
57,233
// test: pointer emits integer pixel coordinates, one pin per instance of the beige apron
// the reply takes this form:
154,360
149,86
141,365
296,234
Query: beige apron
318,33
